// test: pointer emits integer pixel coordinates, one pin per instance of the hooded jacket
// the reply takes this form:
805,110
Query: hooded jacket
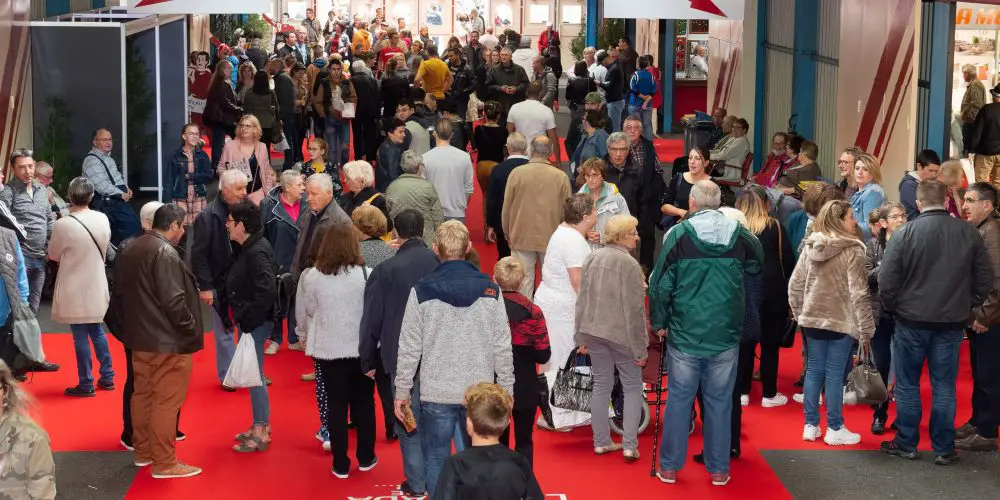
821,297
696,290
908,194
280,230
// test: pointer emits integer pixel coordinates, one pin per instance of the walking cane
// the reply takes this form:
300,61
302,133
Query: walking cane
659,396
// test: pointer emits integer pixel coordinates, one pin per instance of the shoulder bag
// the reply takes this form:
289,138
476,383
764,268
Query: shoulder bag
276,130
864,383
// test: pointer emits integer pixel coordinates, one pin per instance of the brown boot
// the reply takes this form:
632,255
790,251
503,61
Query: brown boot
976,442
965,431
175,471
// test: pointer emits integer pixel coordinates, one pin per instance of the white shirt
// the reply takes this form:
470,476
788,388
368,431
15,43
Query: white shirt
699,68
489,41
598,72
525,58
450,170
420,141
532,119
566,249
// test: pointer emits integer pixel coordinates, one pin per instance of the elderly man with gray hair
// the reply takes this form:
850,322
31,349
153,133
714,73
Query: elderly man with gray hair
517,151
43,174
412,190
211,254
972,101
706,251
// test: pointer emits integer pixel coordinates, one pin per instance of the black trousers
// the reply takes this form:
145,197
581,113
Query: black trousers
385,396
647,243
768,368
127,401
984,351
524,426
503,248
366,138
348,388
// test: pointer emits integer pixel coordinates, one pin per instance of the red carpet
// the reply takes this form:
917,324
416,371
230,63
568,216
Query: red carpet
296,467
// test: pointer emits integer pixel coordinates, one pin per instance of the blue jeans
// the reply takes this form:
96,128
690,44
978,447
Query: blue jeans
225,345
35,267
83,334
338,139
124,221
647,120
437,427
825,372
615,110
717,376
911,347
258,395
411,443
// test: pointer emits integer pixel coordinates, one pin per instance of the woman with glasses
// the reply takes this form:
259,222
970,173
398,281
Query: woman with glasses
191,169
250,156
891,216
675,198
608,202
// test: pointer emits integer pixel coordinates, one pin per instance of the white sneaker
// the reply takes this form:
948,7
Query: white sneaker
326,446
800,397
841,437
811,433
272,348
779,399
745,400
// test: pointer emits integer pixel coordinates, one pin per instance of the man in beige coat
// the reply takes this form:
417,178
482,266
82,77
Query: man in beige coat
533,208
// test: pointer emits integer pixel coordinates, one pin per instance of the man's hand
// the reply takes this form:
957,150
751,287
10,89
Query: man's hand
662,332
979,327
640,362
207,296
582,350
398,409
491,235
370,374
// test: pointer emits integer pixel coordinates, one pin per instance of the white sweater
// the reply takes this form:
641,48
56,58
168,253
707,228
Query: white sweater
328,310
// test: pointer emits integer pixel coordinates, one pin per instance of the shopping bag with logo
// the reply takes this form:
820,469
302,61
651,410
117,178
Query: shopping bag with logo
244,370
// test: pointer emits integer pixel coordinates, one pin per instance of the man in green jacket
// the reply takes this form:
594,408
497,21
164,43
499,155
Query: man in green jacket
412,190
696,293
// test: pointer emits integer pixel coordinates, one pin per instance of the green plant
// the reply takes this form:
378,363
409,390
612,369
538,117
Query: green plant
55,144
608,34
256,26
139,109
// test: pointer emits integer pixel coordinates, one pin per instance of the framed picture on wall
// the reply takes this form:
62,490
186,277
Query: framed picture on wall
406,9
436,15
572,14
463,17
504,16
538,14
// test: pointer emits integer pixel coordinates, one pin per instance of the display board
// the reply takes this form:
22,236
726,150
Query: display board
675,9
197,6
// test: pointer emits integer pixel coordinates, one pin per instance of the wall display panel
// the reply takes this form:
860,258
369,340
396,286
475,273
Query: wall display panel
571,14
366,8
340,7
505,14
437,16
407,9
463,16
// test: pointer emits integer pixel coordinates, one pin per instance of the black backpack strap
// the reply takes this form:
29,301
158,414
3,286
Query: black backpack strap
106,170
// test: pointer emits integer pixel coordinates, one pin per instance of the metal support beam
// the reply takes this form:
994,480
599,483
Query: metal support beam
666,65
760,79
942,33
804,67
593,16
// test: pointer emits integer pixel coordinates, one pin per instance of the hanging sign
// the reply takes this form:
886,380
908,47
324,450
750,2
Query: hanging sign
198,6
977,16
675,9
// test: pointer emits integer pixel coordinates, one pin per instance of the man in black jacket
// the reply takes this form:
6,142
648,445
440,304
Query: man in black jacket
517,150
364,124
507,83
984,141
614,90
643,155
386,294
473,52
936,269
463,81
284,89
623,172
211,255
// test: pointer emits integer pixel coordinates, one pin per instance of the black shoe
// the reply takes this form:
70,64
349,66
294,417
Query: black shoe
106,386
45,367
878,427
700,458
79,392
966,430
180,436
801,382
976,442
390,435
405,489
892,448
227,388
946,459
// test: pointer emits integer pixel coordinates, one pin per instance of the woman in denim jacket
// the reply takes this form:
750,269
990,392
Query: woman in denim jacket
191,169
868,174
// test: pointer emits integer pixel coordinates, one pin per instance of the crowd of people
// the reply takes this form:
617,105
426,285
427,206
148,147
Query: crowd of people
745,261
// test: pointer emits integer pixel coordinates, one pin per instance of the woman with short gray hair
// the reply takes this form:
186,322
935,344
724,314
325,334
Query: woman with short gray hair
359,177
80,244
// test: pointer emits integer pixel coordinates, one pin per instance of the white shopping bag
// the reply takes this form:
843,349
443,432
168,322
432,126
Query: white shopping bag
244,370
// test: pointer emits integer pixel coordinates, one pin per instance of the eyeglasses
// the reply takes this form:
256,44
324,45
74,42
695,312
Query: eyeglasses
896,216
970,200
618,150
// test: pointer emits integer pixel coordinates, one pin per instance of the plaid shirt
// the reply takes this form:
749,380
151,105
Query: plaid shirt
94,170
637,152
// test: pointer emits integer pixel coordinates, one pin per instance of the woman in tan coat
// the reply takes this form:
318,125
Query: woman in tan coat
833,312
611,324
80,244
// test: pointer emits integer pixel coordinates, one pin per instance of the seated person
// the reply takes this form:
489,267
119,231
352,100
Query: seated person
487,469
796,179
731,152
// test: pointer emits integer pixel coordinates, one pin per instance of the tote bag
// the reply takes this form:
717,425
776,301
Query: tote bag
244,370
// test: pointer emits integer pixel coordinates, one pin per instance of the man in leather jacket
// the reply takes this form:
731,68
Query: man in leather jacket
463,81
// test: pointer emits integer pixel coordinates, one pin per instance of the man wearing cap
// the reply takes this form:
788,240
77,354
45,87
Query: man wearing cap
592,102
984,141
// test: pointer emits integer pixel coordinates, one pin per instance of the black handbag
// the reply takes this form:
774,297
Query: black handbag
573,390
543,399
791,326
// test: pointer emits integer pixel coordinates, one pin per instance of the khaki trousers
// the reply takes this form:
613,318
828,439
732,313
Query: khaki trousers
987,169
161,383
529,259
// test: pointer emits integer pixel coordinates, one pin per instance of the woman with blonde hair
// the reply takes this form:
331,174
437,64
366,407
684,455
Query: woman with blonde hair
28,469
611,324
779,260
373,225
607,200
250,156
870,195
828,295
953,176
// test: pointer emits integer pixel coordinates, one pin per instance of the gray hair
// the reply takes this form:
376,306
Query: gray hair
322,181
617,137
148,210
231,177
411,162
359,66
43,166
590,50
81,191
517,143
288,177
968,69
541,147
360,170
706,195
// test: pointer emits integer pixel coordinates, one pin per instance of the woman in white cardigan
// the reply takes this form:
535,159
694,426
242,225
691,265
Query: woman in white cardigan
79,244
330,300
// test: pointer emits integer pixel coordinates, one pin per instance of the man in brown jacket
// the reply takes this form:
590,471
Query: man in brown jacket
161,325
533,208
972,101
980,432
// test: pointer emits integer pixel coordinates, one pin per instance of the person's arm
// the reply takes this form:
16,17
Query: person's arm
56,246
977,131
661,282
857,286
982,273
199,251
263,280
371,321
418,80
410,348
551,88
23,288
40,482
871,265
94,170
891,272
634,306
556,144
447,485
508,201
670,199
170,294
503,356
467,174
449,80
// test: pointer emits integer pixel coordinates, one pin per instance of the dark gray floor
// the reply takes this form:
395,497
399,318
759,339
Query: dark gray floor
852,475
94,475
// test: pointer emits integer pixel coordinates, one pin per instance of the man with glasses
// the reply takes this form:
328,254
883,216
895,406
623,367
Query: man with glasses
769,175
43,174
651,187
980,432
733,151
111,193
623,171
